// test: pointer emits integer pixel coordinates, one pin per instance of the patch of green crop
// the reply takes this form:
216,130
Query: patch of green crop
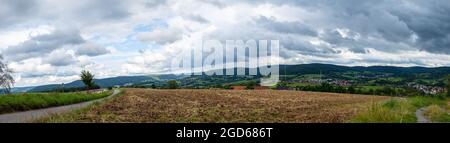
29,101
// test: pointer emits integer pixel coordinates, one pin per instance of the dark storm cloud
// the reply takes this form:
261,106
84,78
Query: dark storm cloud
395,21
285,27
430,20
300,46
364,23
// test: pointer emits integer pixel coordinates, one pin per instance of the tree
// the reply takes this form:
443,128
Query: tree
326,87
88,79
172,84
250,84
6,78
351,90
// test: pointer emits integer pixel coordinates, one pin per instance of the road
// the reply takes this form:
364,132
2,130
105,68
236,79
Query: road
420,116
27,116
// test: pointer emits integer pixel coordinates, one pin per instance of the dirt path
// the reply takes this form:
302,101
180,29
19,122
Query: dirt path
421,117
26,116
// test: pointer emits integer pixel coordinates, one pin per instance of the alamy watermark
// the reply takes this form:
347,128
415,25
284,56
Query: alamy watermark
230,57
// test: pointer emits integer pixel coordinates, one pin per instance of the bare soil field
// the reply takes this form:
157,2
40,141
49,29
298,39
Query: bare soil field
223,106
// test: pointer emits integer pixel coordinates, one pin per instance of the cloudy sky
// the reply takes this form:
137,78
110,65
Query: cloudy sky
50,41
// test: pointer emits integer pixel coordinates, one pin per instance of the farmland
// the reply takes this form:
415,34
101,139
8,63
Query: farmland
222,106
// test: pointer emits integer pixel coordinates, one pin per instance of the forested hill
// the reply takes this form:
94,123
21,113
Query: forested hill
402,75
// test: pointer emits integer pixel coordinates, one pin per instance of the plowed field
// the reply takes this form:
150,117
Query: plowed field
217,106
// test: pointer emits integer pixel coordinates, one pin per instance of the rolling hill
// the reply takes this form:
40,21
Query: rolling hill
433,76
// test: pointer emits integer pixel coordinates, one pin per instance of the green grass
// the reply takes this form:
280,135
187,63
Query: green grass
421,101
75,115
402,110
29,101
392,111
437,114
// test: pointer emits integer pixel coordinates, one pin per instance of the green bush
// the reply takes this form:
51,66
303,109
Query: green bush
172,84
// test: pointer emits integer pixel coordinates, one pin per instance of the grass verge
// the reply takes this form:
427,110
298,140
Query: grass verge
391,111
437,113
76,115
29,101
402,110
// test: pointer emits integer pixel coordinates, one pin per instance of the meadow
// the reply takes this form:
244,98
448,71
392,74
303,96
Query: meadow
403,110
29,101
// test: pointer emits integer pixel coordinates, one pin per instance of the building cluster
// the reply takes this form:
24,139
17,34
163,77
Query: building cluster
329,81
309,81
373,76
426,89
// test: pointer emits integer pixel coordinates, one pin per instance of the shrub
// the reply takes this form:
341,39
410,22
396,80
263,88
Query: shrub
437,114
172,84
433,111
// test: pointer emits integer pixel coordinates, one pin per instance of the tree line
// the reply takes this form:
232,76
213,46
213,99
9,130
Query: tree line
326,87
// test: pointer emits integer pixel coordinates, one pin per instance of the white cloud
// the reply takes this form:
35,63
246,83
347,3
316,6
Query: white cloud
15,36
161,36
61,57
32,68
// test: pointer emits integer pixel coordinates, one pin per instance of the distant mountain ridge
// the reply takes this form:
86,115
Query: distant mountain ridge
301,69
21,89
328,68
106,82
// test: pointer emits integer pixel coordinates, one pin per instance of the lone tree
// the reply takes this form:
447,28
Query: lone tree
172,84
88,79
6,78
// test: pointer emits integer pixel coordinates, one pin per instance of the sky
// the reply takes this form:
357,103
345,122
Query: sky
51,41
